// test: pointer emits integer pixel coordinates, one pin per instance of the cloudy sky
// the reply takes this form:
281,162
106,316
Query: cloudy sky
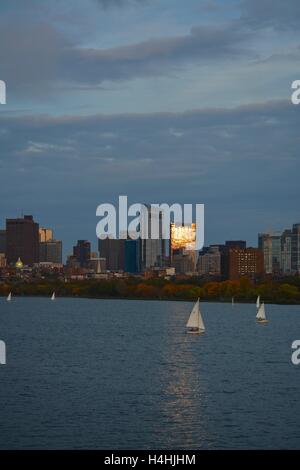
162,100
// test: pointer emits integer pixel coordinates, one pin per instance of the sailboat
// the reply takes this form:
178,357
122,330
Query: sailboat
258,302
53,296
9,297
261,314
232,301
195,323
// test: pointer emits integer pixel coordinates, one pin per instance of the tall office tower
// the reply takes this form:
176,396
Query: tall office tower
286,252
209,261
247,262
22,240
46,234
51,251
183,248
131,256
82,252
270,245
296,249
151,252
2,241
114,252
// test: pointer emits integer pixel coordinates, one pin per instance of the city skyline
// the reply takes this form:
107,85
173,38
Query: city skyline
25,242
67,247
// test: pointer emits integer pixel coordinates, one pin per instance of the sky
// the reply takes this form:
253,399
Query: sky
160,100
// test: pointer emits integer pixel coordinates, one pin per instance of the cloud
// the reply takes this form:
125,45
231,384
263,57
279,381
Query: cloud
277,14
38,56
153,57
206,141
32,56
243,163
119,3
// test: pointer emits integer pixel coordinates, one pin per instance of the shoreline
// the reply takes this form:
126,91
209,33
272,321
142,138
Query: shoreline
149,299
271,291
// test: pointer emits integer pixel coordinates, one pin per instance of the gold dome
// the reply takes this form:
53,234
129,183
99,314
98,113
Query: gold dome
19,264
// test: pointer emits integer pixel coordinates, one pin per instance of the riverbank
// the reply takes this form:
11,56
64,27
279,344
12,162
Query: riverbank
285,291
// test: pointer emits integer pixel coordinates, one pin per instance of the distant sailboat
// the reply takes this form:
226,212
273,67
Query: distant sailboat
258,302
9,297
53,296
195,323
232,301
261,314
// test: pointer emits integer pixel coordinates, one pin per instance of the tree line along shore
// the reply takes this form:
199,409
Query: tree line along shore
285,291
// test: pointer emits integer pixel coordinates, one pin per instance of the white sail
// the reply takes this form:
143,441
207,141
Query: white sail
258,302
201,324
9,297
195,320
53,296
261,314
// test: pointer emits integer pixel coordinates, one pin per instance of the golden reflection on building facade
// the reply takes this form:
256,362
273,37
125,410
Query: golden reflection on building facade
183,248
183,237
45,234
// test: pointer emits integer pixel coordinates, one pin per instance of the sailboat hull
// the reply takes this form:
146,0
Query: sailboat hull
195,331
262,321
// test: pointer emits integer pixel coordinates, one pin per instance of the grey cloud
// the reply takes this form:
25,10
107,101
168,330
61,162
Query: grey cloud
278,14
119,3
242,163
30,55
180,143
37,56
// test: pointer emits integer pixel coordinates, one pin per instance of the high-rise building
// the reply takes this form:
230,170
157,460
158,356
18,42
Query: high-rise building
286,252
22,240
183,248
2,241
82,252
209,261
131,256
46,234
246,262
151,252
295,258
114,252
51,251
270,245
